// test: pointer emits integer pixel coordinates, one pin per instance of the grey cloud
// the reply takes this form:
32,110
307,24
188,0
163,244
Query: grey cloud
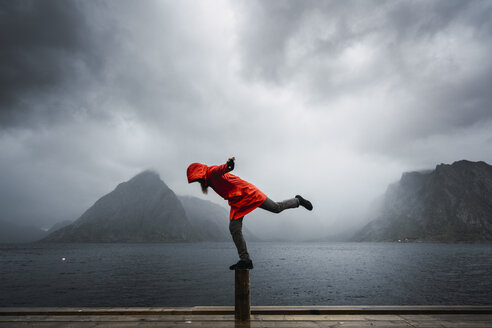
410,46
268,26
68,60
47,47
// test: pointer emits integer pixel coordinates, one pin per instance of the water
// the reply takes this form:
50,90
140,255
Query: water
284,274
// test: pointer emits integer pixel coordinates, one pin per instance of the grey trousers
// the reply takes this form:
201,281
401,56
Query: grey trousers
236,226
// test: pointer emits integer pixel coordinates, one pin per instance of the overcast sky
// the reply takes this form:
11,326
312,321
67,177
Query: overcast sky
332,100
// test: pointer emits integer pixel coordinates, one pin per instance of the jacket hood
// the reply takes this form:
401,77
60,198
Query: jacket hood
196,171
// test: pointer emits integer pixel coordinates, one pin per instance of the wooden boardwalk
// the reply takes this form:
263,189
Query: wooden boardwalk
261,316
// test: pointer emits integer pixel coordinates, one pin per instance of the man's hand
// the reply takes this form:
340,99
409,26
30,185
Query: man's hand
230,163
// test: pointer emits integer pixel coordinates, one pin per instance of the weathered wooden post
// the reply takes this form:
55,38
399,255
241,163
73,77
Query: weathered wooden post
242,298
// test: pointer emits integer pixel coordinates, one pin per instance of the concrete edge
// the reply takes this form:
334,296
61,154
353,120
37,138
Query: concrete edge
261,310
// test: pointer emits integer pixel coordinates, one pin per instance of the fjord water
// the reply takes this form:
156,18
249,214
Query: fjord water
189,274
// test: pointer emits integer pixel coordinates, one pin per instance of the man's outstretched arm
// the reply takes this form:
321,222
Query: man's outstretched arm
224,168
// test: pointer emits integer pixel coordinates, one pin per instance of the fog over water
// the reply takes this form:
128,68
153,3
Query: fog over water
331,100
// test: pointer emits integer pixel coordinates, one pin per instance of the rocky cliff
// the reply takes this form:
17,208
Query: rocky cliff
452,203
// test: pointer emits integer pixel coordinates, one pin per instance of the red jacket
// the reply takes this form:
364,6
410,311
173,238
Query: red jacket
242,196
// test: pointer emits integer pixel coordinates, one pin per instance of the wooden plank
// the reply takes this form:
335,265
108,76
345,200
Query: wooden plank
272,310
218,321
371,310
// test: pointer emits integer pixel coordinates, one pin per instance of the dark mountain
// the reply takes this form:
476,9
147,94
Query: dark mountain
142,209
452,203
210,221
15,233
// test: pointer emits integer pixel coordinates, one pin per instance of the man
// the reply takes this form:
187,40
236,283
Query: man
242,196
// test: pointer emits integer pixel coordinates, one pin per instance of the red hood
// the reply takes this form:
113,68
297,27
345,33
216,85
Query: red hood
196,171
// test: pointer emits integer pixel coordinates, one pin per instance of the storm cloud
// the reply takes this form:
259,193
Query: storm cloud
421,68
332,100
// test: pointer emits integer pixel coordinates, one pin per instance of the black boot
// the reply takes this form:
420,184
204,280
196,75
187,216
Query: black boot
304,202
242,265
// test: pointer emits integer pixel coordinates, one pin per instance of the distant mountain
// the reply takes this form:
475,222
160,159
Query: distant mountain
15,233
59,225
145,209
142,209
11,232
210,221
452,203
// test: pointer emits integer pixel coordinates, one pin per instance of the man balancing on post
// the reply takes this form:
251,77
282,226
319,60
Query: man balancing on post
243,197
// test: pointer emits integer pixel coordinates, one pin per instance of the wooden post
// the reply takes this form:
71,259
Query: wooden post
242,300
